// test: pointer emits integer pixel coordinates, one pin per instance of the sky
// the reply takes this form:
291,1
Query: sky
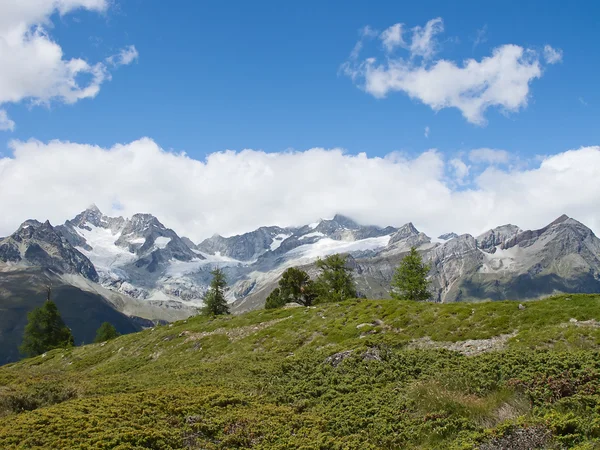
220,117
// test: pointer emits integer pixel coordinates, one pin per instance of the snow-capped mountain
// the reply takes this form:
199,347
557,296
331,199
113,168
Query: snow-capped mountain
155,273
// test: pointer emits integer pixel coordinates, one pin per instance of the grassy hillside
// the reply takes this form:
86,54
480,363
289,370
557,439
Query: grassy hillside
355,375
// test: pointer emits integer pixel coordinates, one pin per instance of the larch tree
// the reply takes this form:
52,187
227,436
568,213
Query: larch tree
214,299
410,279
45,329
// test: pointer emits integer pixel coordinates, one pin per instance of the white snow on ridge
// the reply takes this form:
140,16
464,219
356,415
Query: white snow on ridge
313,225
277,240
179,268
104,254
313,234
161,241
327,246
139,240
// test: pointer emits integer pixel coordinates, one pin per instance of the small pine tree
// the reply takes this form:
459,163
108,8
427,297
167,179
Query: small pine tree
214,299
410,279
335,282
106,332
275,300
45,330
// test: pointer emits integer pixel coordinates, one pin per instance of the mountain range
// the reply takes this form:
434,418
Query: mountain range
136,271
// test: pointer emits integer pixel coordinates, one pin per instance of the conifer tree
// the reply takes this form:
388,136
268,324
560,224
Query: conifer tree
106,332
295,286
335,282
410,279
214,299
45,329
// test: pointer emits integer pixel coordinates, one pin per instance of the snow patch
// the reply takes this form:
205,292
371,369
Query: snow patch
313,234
179,268
500,260
161,241
313,225
277,240
327,246
105,255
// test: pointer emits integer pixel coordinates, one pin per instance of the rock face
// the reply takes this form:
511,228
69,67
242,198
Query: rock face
447,236
248,246
40,245
489,240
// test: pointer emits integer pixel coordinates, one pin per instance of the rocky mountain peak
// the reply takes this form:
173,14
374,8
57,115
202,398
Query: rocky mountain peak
40,244
447,236
92,215
345,222
561,219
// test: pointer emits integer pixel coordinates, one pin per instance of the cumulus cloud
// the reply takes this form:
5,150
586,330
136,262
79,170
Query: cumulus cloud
233,192
552,55
126,56
5,122
489,156
392,37
34,67
423,42
500,80
460,169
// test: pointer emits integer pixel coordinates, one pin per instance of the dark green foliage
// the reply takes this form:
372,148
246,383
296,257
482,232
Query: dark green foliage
335,282
410,279
36,395
106,332
295,286
214,299
45,330
274,300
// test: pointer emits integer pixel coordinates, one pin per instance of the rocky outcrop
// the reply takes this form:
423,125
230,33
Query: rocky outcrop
489,240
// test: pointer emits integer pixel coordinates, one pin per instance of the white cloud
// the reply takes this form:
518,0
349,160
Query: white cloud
33,64
489,156
460,169
392,37
552,55
427,131
500,80
126,56
5,122
423,43
480,36
234,192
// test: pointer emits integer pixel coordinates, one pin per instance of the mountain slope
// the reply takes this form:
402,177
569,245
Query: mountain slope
82,311
355,375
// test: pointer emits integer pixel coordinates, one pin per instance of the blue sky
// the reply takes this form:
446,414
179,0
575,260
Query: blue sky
234,75
504,90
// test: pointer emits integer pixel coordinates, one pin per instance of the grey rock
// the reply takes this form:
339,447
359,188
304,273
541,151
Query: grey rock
489,240
447,236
